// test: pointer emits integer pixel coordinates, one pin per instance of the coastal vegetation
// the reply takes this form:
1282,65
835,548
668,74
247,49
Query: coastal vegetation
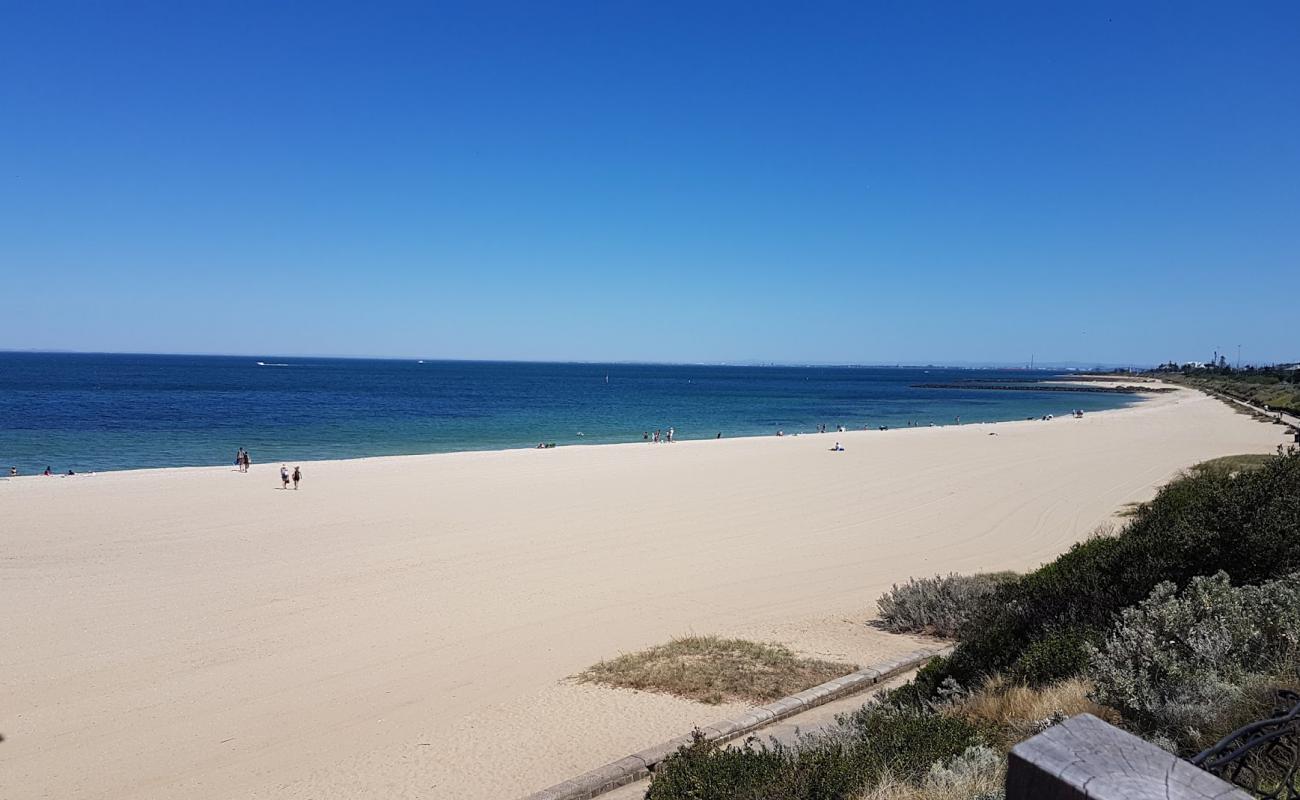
1178,628
875,744
1233,464
713,670
1275,387
937,606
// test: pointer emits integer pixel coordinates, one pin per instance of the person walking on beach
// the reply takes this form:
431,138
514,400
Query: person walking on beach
297,476
284,477
670,434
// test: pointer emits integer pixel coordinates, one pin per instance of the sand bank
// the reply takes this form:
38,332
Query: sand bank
401,627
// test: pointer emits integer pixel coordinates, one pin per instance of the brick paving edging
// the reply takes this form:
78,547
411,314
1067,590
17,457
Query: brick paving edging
639,765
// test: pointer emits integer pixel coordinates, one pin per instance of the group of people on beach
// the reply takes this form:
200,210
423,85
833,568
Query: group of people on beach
285,477
49,472
243,462
659,436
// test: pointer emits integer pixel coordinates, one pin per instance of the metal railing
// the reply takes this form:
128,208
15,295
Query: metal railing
1262,757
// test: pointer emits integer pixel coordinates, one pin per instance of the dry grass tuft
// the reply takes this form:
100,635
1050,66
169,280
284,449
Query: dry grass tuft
715,670
1012,712
977,774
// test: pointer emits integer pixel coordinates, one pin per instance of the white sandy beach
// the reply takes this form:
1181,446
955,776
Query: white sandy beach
401,627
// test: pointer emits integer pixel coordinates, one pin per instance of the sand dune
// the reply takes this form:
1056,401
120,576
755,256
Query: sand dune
401,627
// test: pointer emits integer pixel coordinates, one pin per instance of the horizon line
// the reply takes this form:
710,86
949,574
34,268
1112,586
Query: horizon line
955,364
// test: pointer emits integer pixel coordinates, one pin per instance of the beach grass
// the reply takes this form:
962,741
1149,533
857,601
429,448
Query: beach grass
711,669
1245,462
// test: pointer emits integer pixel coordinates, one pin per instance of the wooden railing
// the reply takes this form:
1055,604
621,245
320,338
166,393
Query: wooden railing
1085,757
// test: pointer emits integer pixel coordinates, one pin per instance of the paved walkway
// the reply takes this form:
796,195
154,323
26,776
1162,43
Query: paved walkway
1285,416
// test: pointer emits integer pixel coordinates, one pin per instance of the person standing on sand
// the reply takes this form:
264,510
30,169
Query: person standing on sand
297,476
284,477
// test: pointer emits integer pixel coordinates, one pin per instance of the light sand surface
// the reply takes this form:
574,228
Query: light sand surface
402,627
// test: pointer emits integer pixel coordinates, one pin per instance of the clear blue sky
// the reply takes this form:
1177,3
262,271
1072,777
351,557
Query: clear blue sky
862,181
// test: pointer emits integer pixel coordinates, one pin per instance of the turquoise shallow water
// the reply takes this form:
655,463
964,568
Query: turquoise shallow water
92,412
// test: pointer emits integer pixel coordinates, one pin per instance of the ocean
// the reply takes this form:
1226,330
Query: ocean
95,412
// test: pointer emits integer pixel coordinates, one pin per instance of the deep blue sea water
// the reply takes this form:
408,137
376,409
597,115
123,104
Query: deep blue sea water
93,412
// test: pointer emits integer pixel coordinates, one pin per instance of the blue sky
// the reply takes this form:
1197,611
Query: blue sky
855,182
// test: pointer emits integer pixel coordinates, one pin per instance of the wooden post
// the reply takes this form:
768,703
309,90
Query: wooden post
1084,757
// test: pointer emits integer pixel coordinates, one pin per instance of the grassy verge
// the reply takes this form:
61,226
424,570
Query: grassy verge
1246,462
714,670
1276,390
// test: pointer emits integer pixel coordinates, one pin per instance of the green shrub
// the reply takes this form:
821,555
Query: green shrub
835,765
704,771
938,606
1179,661
920,692
907,742
1061,654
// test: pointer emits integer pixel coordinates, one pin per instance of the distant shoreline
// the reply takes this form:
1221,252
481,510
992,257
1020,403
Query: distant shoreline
973,366
1046,387
853,433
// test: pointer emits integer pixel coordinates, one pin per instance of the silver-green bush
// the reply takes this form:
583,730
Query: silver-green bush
1179,662
938,606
